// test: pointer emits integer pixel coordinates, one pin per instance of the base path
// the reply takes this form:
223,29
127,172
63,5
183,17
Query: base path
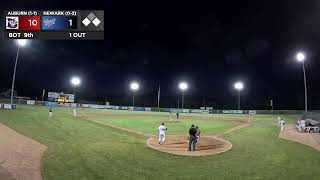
20,156
179,145
231,130
309,139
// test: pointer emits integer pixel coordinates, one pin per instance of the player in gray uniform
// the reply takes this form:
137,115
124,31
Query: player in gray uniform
198,136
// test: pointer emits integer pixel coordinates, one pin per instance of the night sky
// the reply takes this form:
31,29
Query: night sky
210,45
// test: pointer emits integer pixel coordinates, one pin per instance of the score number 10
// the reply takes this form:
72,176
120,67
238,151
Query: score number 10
33,22
30,23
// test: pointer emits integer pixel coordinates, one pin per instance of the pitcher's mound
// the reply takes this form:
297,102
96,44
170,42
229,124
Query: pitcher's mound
179,145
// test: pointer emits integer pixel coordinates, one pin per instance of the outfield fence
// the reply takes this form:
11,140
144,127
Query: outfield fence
202,110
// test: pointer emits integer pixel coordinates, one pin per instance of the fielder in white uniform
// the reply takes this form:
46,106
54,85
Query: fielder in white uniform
281,124
50,112
162,133
74,112
302,125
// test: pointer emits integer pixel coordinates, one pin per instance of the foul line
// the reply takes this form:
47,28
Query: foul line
120,128
231,130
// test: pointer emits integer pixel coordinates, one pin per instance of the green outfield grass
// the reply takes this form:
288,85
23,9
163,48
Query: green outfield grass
84,150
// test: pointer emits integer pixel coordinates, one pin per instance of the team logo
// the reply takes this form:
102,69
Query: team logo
50,22
12,22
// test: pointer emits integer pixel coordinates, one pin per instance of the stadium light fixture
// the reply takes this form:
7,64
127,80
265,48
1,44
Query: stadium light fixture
134,86
301,57
75,81
183,86
239,87
20,43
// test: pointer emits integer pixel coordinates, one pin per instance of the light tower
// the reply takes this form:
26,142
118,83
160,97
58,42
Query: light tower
183,86
21,43
75,81
301,57
239,86
134,86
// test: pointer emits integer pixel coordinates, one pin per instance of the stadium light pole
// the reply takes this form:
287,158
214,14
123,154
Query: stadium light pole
183,86
301,57
20,43
134,86
238,86
75,81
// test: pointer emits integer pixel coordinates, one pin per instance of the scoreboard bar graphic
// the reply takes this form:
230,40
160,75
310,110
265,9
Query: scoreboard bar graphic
58,24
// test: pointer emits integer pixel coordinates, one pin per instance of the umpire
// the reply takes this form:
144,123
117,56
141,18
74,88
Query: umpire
192,138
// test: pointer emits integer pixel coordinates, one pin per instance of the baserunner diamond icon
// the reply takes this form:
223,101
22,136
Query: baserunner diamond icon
91,16
92,20
96,22
86,22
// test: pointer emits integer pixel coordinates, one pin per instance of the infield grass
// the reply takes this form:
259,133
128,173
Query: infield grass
149,123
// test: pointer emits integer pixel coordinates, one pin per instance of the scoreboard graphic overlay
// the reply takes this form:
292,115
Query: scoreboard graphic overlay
58,24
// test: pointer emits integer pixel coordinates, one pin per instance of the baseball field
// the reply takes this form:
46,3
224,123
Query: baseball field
106,144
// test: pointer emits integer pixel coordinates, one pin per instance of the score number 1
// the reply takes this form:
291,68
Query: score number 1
72,22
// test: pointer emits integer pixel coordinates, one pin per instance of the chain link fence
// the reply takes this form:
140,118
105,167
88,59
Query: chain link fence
314,115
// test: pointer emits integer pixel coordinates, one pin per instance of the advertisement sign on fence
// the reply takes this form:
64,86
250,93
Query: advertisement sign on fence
48,103
202,111
124,108
232,112
9,106
93,106
85,105
175,110
185,110
31,102
139,108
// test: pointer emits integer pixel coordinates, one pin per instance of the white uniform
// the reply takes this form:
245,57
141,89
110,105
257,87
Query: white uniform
162,133
50,114
302,125
74,112
281,124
